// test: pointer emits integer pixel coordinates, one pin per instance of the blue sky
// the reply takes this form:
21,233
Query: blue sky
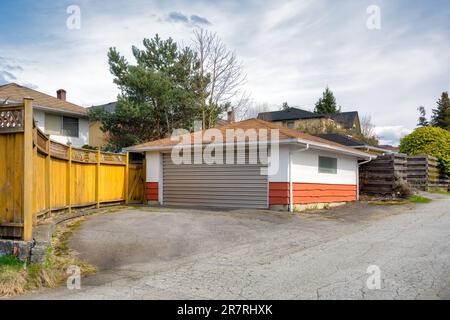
290,50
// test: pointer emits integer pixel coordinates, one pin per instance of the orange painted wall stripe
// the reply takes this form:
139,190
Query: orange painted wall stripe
305,193
151,191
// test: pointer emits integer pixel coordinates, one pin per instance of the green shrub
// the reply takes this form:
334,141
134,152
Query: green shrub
430,141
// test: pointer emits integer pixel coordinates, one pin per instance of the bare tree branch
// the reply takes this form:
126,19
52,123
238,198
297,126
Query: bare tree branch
221,68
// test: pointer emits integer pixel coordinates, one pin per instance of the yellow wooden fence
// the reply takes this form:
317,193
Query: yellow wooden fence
38,175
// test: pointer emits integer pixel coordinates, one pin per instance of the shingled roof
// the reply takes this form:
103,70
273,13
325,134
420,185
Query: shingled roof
257,124
345,118
15,93
288,114
341,139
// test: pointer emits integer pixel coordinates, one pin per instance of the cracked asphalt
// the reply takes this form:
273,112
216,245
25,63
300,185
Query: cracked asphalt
173,253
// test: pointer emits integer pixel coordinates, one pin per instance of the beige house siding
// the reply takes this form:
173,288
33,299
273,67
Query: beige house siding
97,138
316,123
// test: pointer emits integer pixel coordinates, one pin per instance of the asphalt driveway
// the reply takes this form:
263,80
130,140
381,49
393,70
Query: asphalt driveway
173,253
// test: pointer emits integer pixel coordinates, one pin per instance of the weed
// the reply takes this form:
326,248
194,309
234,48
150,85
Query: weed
18,278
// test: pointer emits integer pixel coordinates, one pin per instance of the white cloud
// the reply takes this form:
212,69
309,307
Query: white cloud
391,135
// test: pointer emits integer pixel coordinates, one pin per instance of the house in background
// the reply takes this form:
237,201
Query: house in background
65,122
294,118
97,137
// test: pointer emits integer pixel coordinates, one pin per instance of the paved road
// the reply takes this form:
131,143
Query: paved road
194,254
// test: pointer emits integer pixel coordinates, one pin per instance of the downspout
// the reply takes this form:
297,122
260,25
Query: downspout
291,193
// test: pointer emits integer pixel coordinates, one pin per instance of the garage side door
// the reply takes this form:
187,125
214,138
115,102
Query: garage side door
234,186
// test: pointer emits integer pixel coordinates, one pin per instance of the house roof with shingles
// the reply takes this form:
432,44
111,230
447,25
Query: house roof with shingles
15,93
347,119
285,134
288,114
341,139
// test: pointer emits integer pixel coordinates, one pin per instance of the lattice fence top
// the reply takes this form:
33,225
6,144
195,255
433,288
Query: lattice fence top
11,119
84,156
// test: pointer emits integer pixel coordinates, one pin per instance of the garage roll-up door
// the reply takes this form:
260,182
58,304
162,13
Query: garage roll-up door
233,186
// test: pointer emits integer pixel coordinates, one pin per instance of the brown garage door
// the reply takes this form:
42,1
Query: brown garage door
235,186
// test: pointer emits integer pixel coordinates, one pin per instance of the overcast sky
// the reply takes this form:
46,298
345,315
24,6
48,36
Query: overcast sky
291,50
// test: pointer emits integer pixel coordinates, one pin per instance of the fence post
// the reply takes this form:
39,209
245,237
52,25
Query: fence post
144,175
97,180
48,177
28,170
127,169
69,181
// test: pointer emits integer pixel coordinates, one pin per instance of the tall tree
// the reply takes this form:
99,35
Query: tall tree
221,76
327,104
285,106
441,115
422,122
158,94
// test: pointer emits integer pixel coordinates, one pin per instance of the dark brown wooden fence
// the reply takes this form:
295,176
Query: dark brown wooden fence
379,176
424,174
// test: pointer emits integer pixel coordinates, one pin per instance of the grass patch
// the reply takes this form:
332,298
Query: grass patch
438,191
412,199
17,277
419,199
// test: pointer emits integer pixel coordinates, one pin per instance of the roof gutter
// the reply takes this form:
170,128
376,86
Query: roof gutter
366,147
321,146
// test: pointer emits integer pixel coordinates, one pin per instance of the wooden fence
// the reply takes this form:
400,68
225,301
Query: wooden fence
421,172
424,174
379,176
38,175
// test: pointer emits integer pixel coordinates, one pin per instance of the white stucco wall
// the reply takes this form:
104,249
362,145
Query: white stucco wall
279,166
153,167
305,168
83,133
154,171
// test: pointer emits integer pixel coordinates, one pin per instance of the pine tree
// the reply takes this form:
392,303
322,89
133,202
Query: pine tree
423,122
285,106
158,95
441,115
327,104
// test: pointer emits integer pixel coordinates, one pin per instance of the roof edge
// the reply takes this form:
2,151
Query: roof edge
314,144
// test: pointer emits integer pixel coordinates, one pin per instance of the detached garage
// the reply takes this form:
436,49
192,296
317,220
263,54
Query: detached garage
298,169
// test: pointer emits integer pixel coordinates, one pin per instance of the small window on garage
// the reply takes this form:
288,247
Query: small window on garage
327,165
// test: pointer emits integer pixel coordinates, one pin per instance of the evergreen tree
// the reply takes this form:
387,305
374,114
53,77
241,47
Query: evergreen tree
423,122
158,95
327,104
441,115
285,106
